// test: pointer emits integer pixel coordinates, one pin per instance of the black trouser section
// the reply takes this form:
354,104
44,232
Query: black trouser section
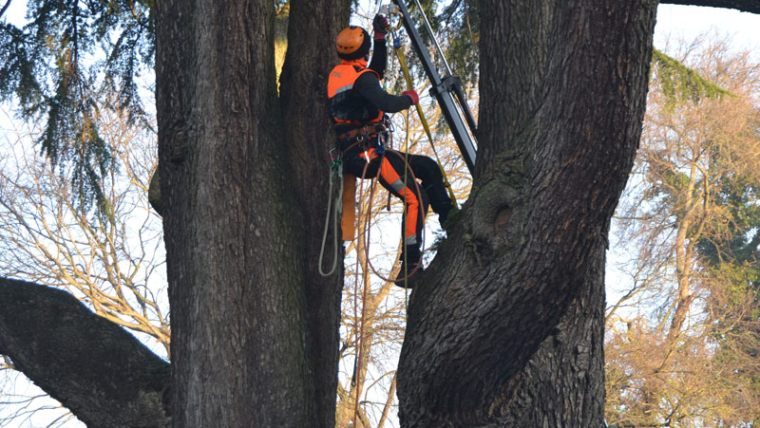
393,175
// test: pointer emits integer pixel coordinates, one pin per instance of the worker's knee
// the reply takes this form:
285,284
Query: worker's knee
427,162
427,169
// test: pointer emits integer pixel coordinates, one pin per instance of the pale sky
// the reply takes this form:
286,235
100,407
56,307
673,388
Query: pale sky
690,21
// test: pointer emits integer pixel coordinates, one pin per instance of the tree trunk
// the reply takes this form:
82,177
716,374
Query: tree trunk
507,329
103,374
309,137
234,234
684,297
563,384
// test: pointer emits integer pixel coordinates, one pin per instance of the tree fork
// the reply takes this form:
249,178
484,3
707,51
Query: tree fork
563,92
486,324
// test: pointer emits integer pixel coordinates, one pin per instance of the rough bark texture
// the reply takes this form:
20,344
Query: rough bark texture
233,230
564,382
506,330
105,376
309,137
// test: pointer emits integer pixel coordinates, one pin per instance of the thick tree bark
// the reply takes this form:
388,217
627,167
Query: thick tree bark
309,137
105,376
563,384
233,231
518,309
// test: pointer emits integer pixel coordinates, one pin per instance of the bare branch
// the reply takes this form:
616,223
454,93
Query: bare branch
7,4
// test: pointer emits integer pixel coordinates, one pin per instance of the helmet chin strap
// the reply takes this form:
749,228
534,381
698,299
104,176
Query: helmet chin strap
362,61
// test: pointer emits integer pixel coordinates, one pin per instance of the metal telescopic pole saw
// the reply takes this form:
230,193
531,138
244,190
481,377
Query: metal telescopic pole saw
444,89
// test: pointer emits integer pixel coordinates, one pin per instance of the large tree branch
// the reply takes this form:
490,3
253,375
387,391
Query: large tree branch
751,6
105,376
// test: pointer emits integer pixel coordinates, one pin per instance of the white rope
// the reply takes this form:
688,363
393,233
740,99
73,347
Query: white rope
335,174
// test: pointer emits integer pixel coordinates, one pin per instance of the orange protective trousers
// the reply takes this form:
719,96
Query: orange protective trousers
393,175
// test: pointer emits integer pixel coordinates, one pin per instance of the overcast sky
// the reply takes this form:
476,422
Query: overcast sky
690,21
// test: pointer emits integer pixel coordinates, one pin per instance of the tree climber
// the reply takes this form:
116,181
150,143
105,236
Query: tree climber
357,105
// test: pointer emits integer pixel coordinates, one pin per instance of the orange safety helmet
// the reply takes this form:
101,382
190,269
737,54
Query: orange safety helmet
352,43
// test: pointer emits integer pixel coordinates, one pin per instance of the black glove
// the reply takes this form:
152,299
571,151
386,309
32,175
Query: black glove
380,26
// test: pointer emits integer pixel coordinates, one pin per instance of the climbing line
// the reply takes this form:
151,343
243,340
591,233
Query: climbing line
407,169
336,174
366,231
363,245
357,378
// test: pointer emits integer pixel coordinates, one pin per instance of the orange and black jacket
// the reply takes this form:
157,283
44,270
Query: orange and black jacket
355,95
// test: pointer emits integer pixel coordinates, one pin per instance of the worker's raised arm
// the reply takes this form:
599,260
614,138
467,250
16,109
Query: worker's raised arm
379,50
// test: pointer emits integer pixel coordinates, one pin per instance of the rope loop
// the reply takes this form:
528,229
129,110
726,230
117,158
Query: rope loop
334,200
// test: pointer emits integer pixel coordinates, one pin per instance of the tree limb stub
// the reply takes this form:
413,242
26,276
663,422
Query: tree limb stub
104,375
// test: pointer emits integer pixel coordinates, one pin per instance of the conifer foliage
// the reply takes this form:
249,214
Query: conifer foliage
53,66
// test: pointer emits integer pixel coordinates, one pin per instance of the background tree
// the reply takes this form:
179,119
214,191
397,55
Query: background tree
51,67
694,193
104,261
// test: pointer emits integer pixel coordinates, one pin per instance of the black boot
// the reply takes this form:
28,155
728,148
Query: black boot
439,201
411,266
